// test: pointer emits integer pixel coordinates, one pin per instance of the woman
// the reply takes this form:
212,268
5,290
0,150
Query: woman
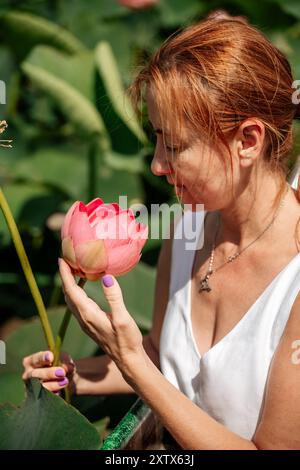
220,366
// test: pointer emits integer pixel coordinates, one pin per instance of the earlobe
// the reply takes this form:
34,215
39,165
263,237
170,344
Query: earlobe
246,154
246,157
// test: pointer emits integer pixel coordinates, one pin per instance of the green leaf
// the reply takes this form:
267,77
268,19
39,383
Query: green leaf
114,183
177,12
31,205
45,421
108,70
293,56
132,164
97,9
76,70
290,6
12,388
24,30
101,426
76,108
101,20
29,338
47,165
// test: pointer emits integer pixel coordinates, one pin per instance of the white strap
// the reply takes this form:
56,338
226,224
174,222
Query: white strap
293,178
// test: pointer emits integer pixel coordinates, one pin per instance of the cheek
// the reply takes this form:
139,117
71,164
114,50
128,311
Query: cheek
185,167
203,189
201,172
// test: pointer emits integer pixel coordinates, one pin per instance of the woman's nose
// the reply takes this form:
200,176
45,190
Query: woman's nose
160,166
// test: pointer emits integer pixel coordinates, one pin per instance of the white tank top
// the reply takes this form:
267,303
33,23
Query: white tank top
228,382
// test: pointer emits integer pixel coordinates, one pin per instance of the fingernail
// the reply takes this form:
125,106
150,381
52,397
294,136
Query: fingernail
108,280
47,357
61,383
60,373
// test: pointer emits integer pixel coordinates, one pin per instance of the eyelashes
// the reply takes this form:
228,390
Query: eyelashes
172,149
169,148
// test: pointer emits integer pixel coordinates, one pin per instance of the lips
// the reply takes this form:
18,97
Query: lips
179,185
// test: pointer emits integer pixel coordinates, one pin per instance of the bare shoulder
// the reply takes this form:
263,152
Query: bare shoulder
279,427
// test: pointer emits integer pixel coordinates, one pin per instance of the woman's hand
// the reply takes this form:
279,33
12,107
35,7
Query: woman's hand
54,379
116,332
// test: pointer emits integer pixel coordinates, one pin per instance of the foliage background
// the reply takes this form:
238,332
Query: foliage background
65,64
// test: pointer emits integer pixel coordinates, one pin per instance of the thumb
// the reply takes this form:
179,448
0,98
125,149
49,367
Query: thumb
114,297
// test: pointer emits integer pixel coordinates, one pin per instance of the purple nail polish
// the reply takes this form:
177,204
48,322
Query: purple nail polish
60,373
63,382
108,280
47,357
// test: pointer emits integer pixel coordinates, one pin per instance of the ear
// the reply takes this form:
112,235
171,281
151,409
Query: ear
250,141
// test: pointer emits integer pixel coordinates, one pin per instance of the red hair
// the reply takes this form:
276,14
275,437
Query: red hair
217,73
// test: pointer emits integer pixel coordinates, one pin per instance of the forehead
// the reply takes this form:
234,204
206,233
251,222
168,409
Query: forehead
168,119
153,109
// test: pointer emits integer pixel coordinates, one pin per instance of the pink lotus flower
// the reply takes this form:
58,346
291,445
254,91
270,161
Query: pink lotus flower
100,239
137,4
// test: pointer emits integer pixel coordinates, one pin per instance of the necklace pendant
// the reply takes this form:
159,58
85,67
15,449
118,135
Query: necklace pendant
204,285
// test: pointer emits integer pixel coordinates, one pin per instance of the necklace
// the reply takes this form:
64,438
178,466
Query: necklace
204,285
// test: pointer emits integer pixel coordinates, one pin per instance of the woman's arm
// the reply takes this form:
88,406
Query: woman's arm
100,375
89,376
279,427
190,426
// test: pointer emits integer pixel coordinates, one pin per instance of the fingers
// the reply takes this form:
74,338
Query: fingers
87,312
70,288
40,359
52,378
55,386
49,373
114,297
46,373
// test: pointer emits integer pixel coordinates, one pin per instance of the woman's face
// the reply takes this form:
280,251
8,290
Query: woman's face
190,164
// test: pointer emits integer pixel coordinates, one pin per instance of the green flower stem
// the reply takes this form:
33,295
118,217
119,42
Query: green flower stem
27,270
55,296
63,328
67,395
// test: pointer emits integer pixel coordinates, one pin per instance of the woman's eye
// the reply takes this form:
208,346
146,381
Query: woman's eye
172,149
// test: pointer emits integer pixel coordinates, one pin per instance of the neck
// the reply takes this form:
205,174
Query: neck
250,214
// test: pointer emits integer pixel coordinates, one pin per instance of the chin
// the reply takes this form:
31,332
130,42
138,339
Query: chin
187,198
